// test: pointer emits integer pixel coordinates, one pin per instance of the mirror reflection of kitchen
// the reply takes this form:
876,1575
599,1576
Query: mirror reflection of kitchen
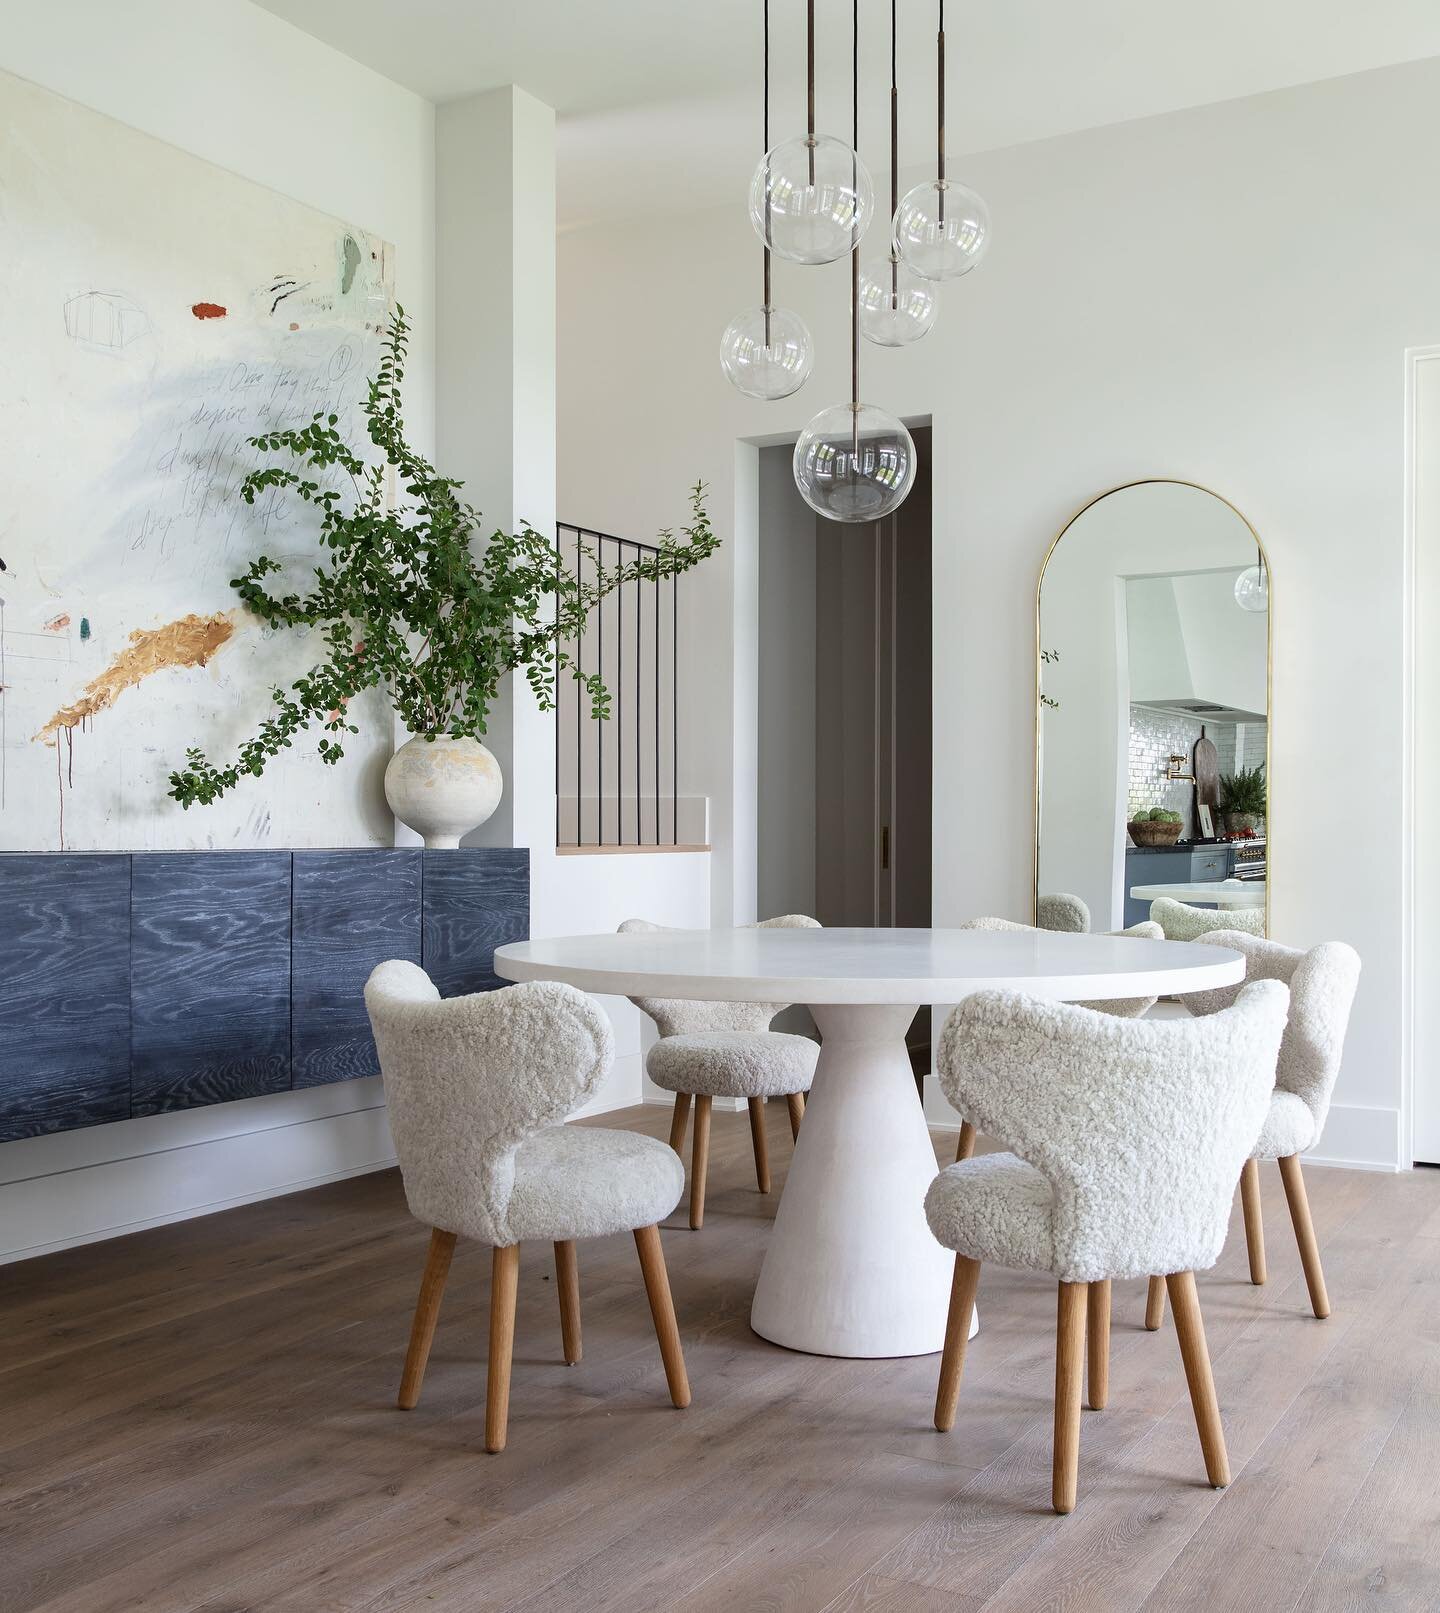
1152,761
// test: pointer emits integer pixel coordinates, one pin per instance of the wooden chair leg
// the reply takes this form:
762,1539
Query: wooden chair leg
957,1336
699,1162
1196,1356
1069,1370
759,1144
1254,1224
677,1122
1155,1304
965,1148
662,1309
796,1103
567,1281
427,1313
1097,1344
504,1275
1299,1202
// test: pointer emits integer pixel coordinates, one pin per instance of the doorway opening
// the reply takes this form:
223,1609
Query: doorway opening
844,767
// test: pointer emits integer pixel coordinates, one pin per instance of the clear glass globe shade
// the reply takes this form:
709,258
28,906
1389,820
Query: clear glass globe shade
767,353
897,305
811,200
941,229
854,463
1252,589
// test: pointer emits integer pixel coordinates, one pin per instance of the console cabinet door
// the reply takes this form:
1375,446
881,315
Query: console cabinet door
474,902
350,910
210,982
64,992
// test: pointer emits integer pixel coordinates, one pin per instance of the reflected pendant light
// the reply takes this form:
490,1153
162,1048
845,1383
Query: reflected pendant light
854,462
897,305
941,227
766,352
811,198
1252,586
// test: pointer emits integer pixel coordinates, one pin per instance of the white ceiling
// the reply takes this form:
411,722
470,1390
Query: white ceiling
660,98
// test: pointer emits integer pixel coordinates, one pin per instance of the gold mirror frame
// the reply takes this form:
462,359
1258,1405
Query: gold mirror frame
1199,487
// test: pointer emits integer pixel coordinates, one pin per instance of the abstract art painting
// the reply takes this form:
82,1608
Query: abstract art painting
156,311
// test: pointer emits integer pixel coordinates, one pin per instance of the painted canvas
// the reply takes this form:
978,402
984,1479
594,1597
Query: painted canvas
155,312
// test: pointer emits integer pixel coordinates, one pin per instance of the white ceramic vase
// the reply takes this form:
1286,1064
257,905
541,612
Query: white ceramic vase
443,788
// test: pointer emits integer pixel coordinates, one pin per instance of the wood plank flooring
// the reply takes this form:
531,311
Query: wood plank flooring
201,1419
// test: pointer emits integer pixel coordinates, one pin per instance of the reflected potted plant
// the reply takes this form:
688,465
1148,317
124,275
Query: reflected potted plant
406,599
1243,800
1157,827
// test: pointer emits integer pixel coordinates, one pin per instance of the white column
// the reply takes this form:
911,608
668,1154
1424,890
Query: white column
495,378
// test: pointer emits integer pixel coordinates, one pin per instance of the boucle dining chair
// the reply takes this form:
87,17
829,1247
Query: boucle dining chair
1125,1007
1182,922
1322,986
1062,912
710,1050
476,1087
1127,1136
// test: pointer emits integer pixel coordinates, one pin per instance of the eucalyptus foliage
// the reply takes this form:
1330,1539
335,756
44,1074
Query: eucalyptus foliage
405,598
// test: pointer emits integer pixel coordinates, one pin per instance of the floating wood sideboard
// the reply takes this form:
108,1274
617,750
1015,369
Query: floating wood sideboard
138,983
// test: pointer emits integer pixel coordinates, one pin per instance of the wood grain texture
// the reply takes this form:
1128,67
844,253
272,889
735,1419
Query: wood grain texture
473,902
349,911
64,992
1254,1219
1069,1366
210,977
202,1417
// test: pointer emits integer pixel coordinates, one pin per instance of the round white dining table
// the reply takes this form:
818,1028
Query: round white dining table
1232,893
851,1268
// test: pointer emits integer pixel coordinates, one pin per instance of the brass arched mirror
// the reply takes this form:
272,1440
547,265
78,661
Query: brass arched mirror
1153,711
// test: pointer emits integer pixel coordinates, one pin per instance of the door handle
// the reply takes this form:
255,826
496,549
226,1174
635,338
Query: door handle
885,847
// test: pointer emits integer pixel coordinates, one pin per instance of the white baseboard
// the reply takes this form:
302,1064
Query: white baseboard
102,1182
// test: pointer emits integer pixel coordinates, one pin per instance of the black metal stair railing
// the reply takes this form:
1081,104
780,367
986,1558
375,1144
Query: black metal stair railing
617,778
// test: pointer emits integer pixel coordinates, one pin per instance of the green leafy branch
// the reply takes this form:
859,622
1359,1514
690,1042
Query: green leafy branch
402,598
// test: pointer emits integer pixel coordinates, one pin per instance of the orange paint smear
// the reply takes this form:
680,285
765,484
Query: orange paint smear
191,641
57,624
208,310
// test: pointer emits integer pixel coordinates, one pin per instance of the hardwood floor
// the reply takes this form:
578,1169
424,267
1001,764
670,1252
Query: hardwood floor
202,1418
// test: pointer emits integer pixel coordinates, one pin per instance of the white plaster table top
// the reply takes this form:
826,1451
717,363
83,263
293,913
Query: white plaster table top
851,1268
868,966
1207,893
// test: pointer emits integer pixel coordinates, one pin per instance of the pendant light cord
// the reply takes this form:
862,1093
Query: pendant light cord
855,249
940,111
765,151
810,84
894,158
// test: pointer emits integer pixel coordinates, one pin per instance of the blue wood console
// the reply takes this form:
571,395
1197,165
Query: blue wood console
138,983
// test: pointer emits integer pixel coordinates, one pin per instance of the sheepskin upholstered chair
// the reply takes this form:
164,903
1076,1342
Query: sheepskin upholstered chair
1125,1007
1127,1137
711,1050
1322,986
1181,922
476,1087
1062,912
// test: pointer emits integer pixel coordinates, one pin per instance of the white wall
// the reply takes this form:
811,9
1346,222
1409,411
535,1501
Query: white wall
242,89
1224,295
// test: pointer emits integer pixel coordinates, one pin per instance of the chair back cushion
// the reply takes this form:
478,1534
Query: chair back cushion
675,1016
468,1079
1181,922
1062,912
1322,984
1140,1126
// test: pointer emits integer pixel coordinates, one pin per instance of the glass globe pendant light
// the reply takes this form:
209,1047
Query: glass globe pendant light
897,306
854,462
941,228
766,352
811,198
1252,586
